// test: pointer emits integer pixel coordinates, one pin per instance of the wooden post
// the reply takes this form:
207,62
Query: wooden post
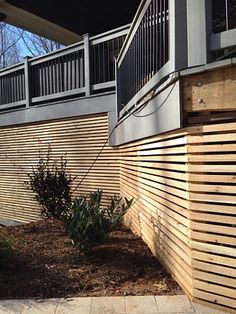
87,64
27,82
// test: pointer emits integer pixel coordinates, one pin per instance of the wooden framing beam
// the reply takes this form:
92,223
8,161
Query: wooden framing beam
35,24
210,91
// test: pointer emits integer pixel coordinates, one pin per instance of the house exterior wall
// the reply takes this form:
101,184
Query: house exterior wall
79,138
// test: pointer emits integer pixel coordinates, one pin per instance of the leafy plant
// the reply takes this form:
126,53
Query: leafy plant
117,210
52,186
6,250
89,223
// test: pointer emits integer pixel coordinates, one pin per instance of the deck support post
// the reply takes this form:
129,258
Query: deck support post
87,65
178,34
199,19
27,82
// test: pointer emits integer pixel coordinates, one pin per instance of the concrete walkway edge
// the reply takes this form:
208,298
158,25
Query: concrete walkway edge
107,305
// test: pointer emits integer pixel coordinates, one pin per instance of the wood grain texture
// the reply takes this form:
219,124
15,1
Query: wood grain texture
80,139
210,91
154,172
212,175
184,184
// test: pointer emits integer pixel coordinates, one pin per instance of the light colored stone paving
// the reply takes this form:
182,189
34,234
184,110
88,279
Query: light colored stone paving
12,306
77,305
110,305
205,310
174,304
140,305
40,306
107,305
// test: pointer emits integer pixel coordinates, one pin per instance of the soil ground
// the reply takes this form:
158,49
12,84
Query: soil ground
46,265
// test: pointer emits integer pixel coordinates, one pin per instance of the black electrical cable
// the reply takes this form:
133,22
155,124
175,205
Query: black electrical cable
157,109
98,155
139,109
101,150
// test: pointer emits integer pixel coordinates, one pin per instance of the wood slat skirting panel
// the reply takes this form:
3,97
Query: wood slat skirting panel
80,138
154,172
212,194
184,184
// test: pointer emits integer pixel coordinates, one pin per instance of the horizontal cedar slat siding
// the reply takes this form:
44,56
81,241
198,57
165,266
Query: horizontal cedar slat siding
80,138
212,196
184,184
154,172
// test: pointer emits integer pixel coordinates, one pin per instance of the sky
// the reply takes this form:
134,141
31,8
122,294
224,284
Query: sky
17,42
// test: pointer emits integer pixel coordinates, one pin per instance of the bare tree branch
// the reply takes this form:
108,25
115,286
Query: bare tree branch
11,45
14,42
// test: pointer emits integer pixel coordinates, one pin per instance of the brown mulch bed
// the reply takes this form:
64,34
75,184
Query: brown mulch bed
46,265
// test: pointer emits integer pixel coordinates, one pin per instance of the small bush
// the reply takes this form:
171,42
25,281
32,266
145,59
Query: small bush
52,186
89,223
6,251
117,210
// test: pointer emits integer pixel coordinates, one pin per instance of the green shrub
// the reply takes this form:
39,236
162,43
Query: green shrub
117,209
6,251
89,223
52,186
